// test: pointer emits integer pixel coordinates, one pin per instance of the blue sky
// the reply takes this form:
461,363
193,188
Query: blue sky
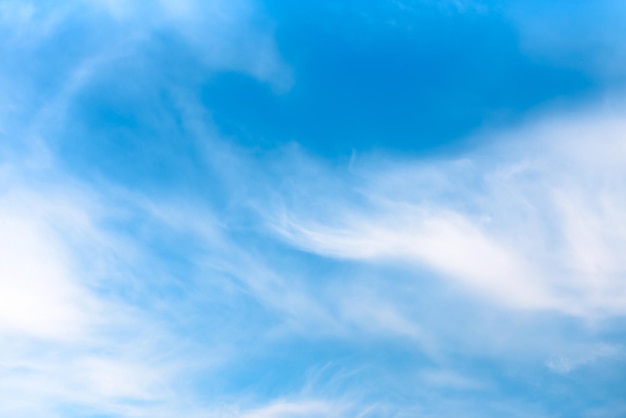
275,209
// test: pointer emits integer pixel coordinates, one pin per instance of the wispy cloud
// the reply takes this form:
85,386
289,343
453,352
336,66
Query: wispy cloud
222,281
533,222
85,327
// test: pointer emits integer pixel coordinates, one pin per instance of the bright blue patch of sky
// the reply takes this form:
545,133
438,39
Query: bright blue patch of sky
372,75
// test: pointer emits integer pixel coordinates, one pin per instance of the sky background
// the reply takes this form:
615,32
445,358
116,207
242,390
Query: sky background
297,209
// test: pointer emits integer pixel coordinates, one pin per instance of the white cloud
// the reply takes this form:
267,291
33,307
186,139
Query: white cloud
37,297
535,221
63,341
450,379
575,357
43,293
289,409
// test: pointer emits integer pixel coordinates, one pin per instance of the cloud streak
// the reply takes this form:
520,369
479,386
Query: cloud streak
534,221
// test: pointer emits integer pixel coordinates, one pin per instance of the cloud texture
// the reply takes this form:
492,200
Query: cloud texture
154,263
